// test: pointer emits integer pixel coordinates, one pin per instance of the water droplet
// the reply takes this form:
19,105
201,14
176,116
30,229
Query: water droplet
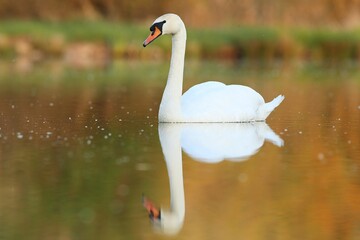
142,167
123,190
243,177
87,215
321,156
19,135
122,160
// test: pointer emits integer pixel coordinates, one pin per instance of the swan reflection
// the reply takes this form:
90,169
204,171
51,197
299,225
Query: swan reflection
213,143
210,143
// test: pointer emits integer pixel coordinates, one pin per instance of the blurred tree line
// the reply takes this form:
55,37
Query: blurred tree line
343,13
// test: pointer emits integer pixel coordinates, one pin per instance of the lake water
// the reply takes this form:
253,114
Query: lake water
80,152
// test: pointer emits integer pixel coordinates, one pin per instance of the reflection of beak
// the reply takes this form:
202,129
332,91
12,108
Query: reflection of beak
154,34
154,213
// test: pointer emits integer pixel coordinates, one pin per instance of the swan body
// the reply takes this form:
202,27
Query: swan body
205,102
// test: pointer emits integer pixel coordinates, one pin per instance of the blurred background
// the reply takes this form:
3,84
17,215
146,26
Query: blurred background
79,97
78,30
197,13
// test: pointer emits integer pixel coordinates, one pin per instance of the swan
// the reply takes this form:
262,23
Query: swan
206,102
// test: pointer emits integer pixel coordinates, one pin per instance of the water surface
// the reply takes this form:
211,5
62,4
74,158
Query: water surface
80,148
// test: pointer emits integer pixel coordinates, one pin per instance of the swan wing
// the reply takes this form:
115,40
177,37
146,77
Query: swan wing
217,102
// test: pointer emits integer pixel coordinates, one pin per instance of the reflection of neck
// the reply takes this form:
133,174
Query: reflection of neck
170,142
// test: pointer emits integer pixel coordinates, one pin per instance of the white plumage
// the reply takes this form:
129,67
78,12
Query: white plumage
205,102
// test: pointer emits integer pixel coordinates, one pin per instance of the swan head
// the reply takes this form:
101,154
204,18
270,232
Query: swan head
166,24
154,212
166,222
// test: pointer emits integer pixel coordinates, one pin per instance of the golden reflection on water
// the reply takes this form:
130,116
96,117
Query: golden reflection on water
78,150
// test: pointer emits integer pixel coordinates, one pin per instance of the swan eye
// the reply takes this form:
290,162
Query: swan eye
158,25
153,215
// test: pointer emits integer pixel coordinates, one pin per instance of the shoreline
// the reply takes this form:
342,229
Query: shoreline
108,41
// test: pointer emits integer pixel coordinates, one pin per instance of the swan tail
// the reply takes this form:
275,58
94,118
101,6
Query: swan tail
267,108
274,138
270,135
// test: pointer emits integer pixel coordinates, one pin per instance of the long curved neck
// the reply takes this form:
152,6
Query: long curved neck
170,142
170,107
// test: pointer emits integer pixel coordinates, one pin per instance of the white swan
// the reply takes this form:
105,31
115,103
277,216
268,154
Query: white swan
205,102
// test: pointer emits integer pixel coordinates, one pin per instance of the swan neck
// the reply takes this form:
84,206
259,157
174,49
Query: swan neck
170,107
176,71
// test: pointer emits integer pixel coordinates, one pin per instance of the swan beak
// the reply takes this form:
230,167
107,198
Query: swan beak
154,213
153,35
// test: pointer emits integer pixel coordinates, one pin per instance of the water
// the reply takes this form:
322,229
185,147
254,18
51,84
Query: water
80,149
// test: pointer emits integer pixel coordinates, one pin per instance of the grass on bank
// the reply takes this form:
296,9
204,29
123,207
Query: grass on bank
125,40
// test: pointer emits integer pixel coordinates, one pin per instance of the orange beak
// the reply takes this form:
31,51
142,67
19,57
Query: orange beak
154,213
153,35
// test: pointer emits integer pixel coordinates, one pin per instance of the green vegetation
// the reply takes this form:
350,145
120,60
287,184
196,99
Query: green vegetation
123,40
71,30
